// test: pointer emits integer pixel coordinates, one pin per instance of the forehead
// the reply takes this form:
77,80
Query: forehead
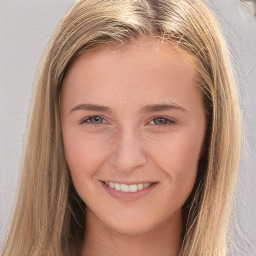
140,51
142,70
144,54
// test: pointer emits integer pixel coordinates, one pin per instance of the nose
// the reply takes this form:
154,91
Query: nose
128,153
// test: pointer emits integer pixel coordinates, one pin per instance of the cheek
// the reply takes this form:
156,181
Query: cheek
178,155
84,153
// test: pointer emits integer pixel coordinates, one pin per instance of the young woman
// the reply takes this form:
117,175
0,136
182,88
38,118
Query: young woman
134,138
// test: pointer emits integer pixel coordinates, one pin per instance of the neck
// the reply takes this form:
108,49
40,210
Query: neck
163,240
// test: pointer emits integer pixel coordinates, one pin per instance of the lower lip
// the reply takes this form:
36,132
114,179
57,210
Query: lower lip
128,196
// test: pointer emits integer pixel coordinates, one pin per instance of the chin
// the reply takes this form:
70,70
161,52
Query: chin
134,226
132,230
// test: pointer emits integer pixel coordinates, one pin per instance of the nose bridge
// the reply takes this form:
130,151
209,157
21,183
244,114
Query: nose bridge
129,152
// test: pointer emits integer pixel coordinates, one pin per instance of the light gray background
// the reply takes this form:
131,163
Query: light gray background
25,28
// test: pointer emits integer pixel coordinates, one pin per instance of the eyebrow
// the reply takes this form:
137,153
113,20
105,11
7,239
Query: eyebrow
145,109
91,107
162,107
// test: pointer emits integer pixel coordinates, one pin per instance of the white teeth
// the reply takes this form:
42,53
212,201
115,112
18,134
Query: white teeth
117,186
125,188
128,188
146,185
112,185
133,188
140,186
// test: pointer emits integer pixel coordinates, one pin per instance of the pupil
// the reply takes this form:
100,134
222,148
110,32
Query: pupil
96,120
160,121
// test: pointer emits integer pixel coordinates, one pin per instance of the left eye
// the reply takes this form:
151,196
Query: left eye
161,121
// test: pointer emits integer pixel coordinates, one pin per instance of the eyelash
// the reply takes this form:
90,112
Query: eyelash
168,121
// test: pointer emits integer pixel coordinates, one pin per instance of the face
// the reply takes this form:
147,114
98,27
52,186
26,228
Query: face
133,124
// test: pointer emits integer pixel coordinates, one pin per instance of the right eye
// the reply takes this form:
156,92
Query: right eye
93,120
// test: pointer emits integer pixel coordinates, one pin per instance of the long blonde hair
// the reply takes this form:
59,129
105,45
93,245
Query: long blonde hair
49,216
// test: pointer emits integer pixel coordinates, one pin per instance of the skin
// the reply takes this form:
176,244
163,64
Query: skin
129,144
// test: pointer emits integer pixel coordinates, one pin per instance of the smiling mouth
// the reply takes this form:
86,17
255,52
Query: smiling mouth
128,188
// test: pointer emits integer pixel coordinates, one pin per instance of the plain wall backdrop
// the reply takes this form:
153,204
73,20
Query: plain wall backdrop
26,27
